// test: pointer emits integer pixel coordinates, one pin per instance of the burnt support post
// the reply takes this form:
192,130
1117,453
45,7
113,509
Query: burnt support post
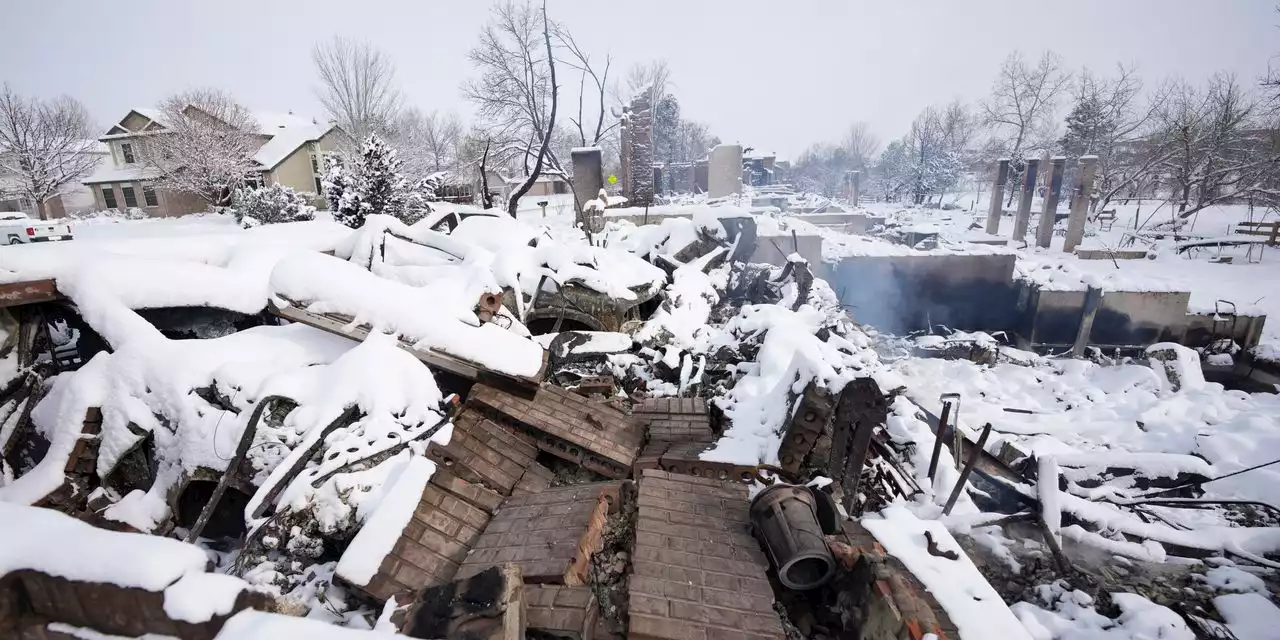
974,452
1092,300
997,196
1081,195
1049,214
1024,199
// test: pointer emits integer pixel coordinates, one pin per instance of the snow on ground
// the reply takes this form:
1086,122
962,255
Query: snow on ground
1249,615
969,600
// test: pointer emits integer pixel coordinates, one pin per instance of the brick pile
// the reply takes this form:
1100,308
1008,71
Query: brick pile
698,574
484,453
685,458
594,435
551,535
563,612
675,419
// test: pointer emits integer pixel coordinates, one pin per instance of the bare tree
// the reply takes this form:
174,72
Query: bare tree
650,79
427,143
1022,104
44,146
357,86
861,143
206,147
573,56
1212,145
516,91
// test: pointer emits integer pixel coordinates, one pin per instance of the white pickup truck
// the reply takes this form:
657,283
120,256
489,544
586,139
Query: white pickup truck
17,228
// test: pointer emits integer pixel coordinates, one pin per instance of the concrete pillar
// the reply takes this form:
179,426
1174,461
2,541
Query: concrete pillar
855,186
1024,199
724,174
640,154
1080,203
997,196
1092,300
1052,190
588,174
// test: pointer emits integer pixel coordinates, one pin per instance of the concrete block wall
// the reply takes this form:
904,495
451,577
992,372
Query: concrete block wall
675,419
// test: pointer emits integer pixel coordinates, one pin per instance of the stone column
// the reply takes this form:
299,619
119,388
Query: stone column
1080,197
1052,189
997,196
1024,199
588,174
855,186
640,156
724,175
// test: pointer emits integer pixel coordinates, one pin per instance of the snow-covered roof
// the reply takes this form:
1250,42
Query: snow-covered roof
286,139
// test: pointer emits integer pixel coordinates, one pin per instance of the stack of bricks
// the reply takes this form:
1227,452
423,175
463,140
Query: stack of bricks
563,612
685,458
484,453
551,535
594,435
698,573
675,419
433,545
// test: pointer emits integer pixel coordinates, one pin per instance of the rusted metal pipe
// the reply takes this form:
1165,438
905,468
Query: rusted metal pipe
968,467
786,519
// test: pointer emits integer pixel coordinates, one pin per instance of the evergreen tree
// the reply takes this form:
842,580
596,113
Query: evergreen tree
372,184
666,130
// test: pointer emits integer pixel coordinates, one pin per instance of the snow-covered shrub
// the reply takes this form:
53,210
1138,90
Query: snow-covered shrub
271,204
109,215
371,184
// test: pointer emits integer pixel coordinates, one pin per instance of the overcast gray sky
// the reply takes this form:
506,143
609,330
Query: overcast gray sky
774,74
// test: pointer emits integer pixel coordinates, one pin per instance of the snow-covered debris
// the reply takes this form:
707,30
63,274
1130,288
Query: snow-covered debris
1071,614
969,600
1177,366
1229,578
324,284
59,545
363,557
258,625
1250,616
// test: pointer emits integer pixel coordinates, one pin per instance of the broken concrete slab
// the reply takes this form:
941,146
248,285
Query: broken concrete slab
551,535
697,573
596,436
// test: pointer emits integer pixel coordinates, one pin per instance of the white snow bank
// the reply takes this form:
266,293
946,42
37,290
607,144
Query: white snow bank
194,244
198,597
1228,578
329,285
1249,615
360,562
1073,617
258,625
43,540
969,600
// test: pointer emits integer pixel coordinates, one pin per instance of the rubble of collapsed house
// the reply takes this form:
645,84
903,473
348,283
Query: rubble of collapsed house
647,436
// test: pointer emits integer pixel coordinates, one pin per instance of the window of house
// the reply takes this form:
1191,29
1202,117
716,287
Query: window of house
149,196
109,197
315,163
319,186
130,198
252,182
126,150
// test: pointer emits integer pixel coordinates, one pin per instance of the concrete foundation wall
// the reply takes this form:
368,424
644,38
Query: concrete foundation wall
900,294
1246,331
1125,318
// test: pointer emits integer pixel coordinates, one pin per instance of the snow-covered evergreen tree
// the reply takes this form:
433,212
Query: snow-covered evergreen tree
372,184
666,130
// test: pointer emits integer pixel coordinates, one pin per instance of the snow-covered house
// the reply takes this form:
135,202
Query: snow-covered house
72,198
291,155
545,185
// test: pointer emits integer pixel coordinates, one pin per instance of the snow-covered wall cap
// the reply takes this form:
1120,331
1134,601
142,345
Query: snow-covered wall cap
58,545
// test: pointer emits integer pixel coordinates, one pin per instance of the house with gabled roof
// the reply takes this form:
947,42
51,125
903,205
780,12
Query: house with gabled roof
292,154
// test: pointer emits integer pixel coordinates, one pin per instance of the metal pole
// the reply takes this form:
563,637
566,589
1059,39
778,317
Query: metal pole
939,436
968,468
